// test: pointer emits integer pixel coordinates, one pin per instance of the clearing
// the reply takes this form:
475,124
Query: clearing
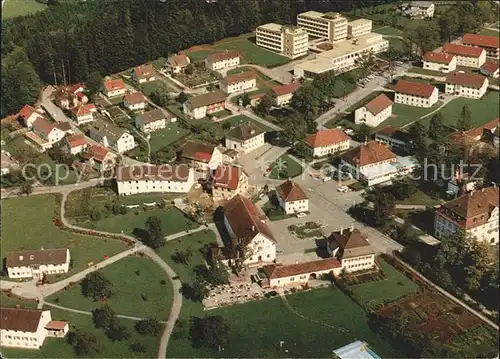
15,8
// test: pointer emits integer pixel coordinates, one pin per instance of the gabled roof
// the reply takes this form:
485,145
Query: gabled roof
369,153
26,112
481,40
179,60
43,126
98,153
227,177
36,257
286,89
326,138
64,126
197,151
462,50
76,88
352,242
222,56
469,80
414,88
490,65
275,271
239,77
56,325
113,85
245,131
290,191
76,140
84,110
23,320
152,116
475,133
438,57
134,98
378,104
145,71
207,99
395,133
245,219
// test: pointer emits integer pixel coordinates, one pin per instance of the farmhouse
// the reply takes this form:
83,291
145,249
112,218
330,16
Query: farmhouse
202,157
47,131
144,73
222,60
113,88
111,136
153,120
29,114
238,82
228,181
283,94
393,137
147,179
466,85
68,97
177,63
37,263
466,55
416,94
419,9
75,144
99,157
439,61
329,141
290,41
245,138
490,68
134,101
374,112
292,198
490,44
476,213
84,113
352,248
202,105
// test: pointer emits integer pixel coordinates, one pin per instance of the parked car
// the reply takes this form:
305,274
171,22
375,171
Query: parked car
326,179
301,214
343,189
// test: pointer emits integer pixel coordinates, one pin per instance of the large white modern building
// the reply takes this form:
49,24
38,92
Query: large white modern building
359,27
290,41
37,263
418,94
332,26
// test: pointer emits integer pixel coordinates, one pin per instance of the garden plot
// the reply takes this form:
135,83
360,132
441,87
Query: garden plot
308,230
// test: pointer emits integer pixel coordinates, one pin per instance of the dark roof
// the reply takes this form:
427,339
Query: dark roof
152,116
245,131
274,271
207,99
394,133
197,151
365,154
23,320
36,257
165,172
352,242
469,80
290,191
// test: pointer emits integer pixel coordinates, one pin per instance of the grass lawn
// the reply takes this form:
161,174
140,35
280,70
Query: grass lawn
148,198
263,82
116,100
275,213
239,119
159,63
199,55
390,31
165,137
290,168
173,220
489,32
12,302
420,198
394,43
253,322
128,290
41,232
404,114
15,8
149,87
59,348
419,70
252,53
394,286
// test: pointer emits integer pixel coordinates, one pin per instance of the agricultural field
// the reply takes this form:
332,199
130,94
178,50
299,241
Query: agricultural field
15,8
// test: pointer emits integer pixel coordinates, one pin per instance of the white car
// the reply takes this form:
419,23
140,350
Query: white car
343,189
301,214
326,179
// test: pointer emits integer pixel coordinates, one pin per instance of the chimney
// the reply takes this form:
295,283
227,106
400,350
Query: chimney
21,258
341,230
253,228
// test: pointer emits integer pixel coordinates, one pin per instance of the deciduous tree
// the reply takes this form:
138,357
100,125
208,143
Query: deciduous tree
95,285
464,122
210,331
154,228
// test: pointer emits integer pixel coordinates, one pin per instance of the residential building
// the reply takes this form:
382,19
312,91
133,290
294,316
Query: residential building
222,60
419,9
201,156
490,69
29,114
65,127
290,41
343,57
252,242
23,328
111,136
245,138
38,143
68,97
228,181
476,213
134,101
37,263
352,248
47,131
7,163
292,197
490,44
75,144
439,61
84,113
359,27
373,163
284,93
418,94
478,139
99,158
147,179
332,25
115,87
153,120
357,349
393,137
326,142
144,73
291,275
466,85
202,105
238,82
57,329
177,63
374,112
466,55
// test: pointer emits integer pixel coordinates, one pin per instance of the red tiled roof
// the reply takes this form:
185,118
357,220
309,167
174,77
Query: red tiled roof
378,104
469,80
113,85
481,40
179,60
43,126
56,325
326,138
275,271
227,177
221,56
490,65
26,112
477,132
145,71
462,50
134,98
84,110
286,89
438,57
23,320
96,152
365,154
76,140
353,243
198,151
290,191
240,77
414,88
74,88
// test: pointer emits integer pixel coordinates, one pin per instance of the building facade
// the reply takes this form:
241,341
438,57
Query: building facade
332,26
245,138
134,101
284,93
490,69
466,85
23,328
359,27
84,114
326,142
202,105
290,41
151,121
228,181
490,44
374,112
238,82
352,248
111,136
144,73
439,61
113,88
222,60
416,94
202,157
37,263
466,55
47,131
292,198
177,63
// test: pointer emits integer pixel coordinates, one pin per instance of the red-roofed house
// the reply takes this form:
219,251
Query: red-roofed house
177,63
222,60
114,88
28,115
48,131
325,142
84,113
284,93
99,157
144,73
439,61
202,156
228,181
489,43
374,112
75,144
466,85
292,198
238,82
134,101
466,55
490,68
417,94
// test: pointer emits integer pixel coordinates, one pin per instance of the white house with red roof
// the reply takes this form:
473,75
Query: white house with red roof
75,144
327,142
418,94
115,87
466,85
29,114
99,157
468,56
439,61
47,131
490,44
222,60
284,93
134,101
238,82
292,197
23,328
228,181
84,114
144,73
202,157
245,138
374,112
490,68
